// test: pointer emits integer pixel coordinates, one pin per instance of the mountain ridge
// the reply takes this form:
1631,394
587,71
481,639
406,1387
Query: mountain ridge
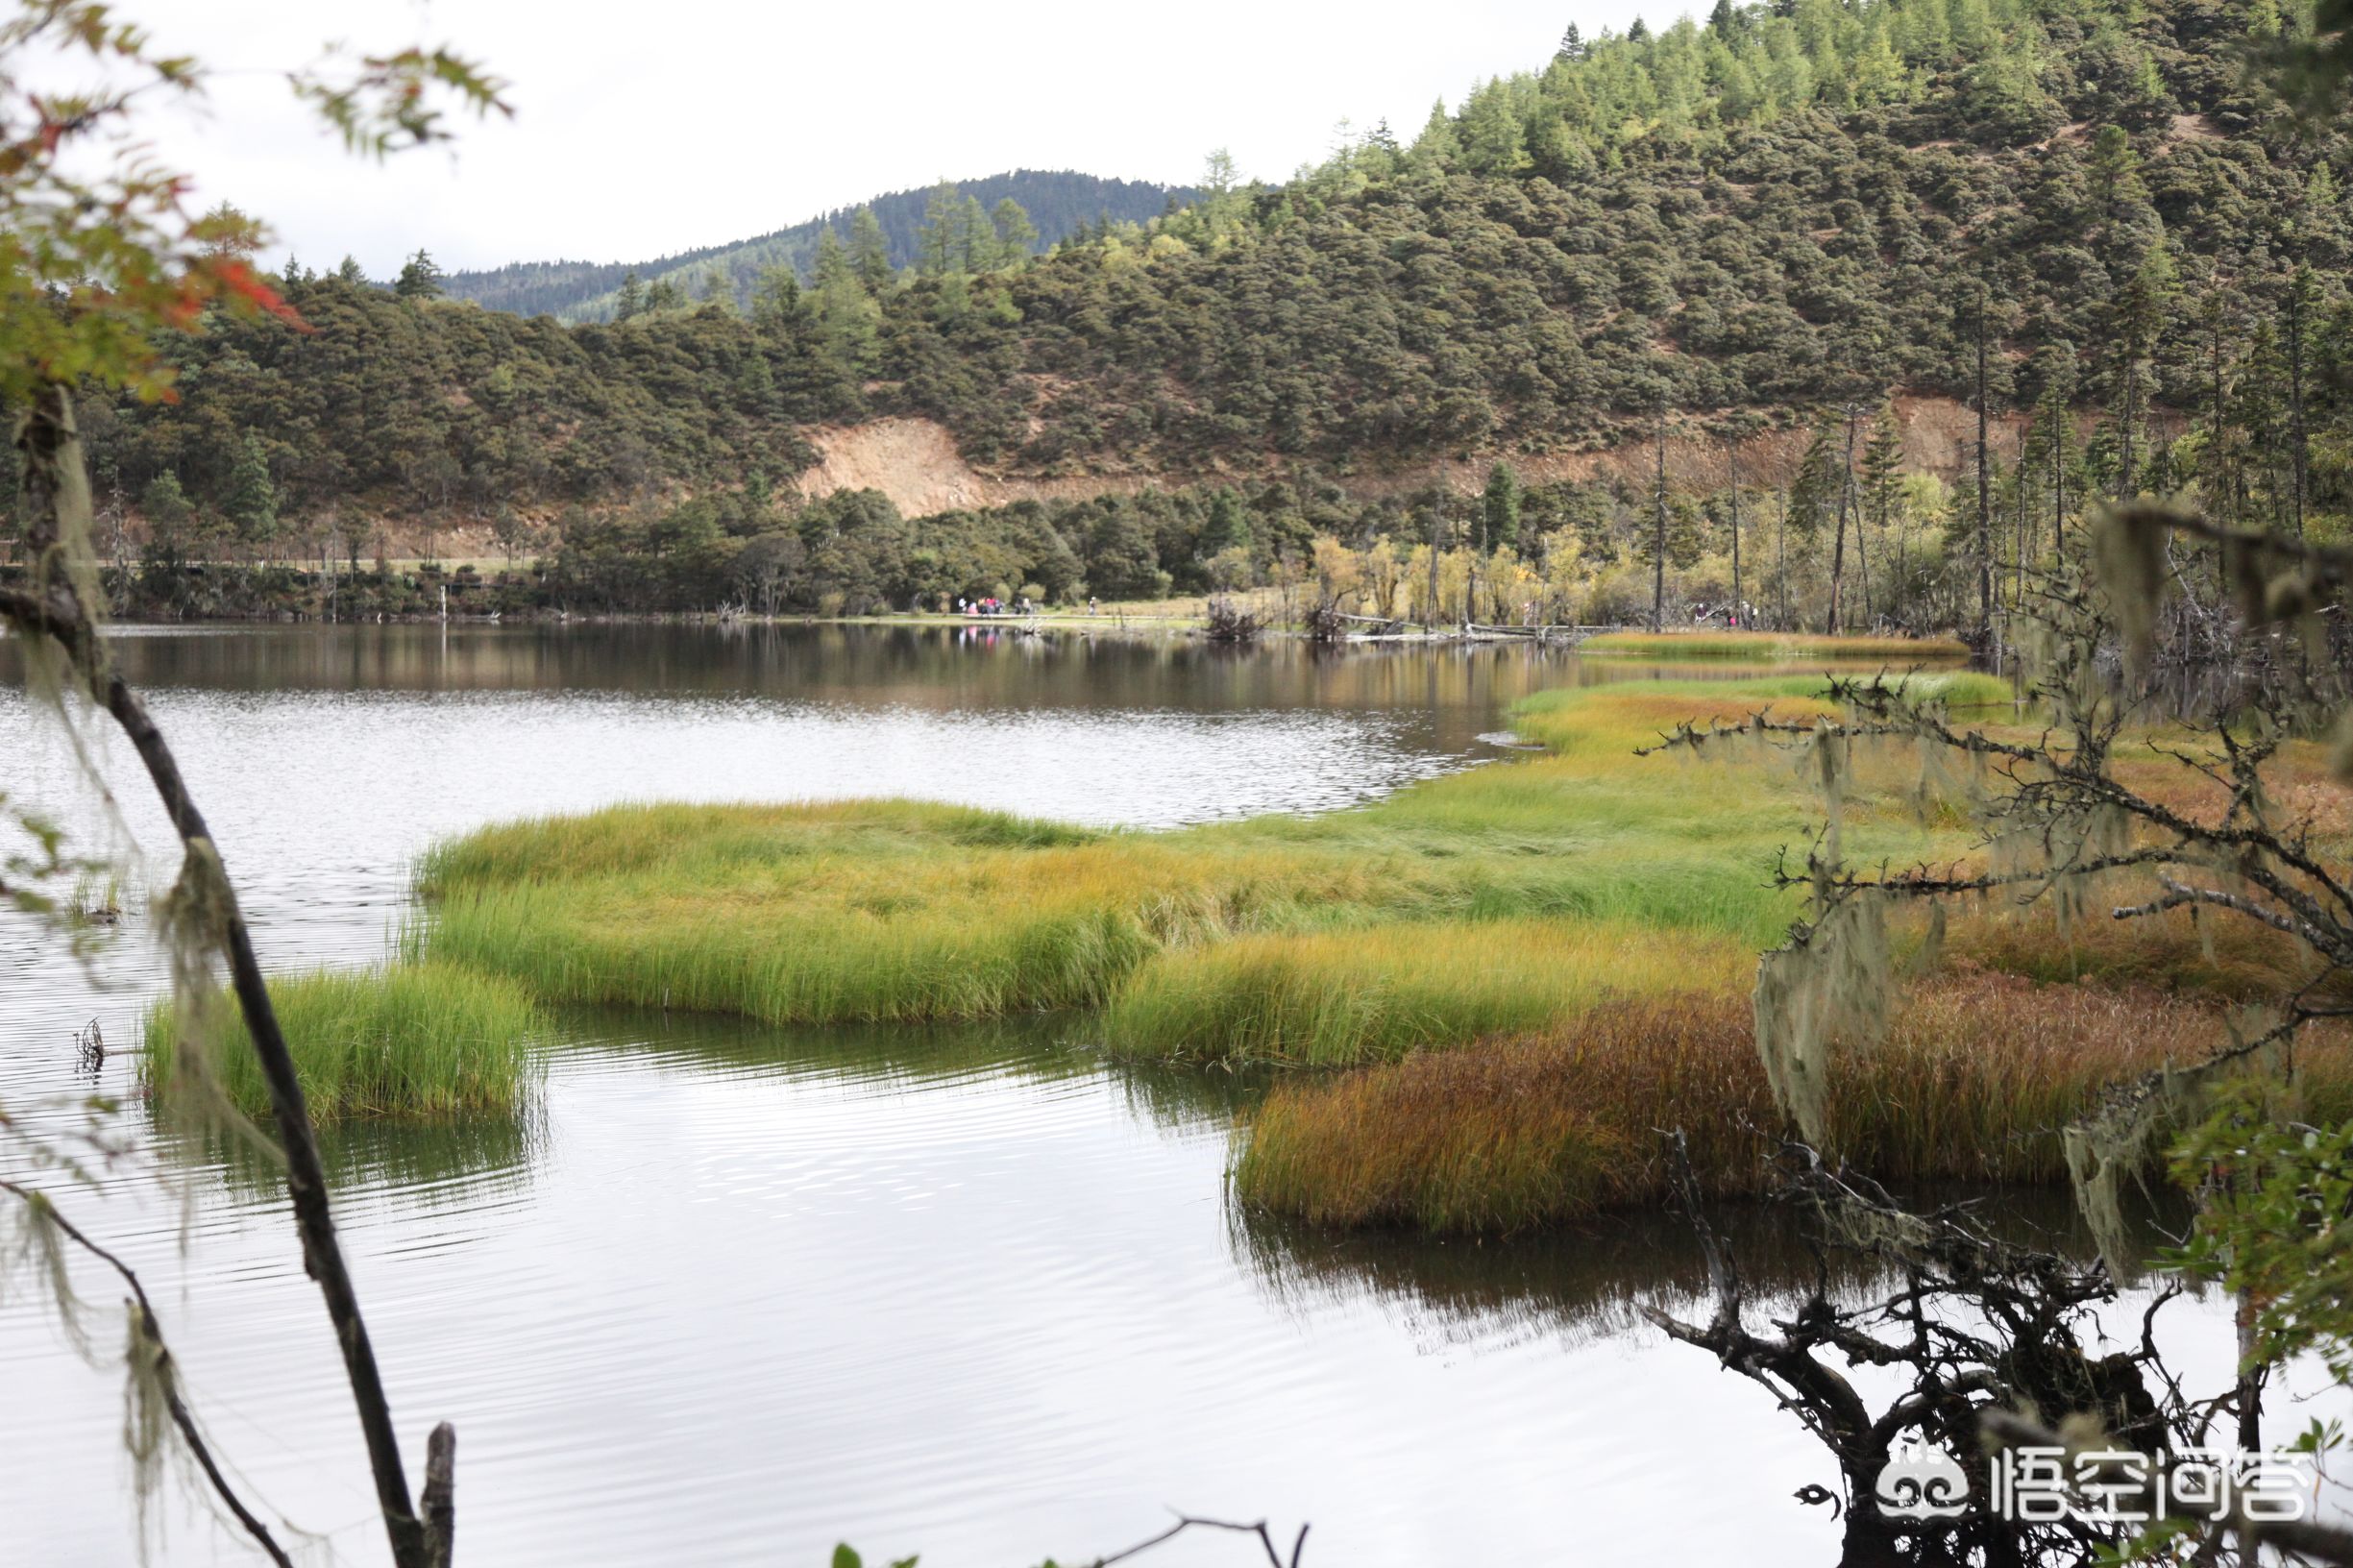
1057,202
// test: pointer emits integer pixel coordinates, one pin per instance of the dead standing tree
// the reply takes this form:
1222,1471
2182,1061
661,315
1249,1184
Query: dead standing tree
2059,824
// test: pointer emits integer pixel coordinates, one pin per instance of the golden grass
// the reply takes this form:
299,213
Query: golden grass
1330,998
1976,1074
1301,938
1773,646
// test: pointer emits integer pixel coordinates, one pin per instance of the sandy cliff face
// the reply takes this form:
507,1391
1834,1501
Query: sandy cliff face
915,462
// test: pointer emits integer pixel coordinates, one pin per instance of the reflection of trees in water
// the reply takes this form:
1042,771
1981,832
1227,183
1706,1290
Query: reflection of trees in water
1591,1282
1603,1279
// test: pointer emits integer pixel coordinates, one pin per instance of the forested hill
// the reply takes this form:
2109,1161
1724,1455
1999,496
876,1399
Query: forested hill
1787,207
1058,203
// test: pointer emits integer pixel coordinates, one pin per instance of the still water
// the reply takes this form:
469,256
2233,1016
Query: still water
741,1293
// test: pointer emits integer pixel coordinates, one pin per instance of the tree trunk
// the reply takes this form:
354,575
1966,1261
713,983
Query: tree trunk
1740,606
57,502
1658,550
1838,547
1985,494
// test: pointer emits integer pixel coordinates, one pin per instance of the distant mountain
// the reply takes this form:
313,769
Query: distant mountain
1057,202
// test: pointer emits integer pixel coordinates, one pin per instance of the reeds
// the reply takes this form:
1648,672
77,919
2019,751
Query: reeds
1978,1074
417,1040
1339,998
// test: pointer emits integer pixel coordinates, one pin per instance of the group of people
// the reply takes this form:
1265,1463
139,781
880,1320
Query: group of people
994,606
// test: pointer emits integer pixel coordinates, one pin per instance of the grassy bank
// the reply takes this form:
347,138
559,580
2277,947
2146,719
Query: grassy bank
426,1039
1978,1072
1585,919
1488,899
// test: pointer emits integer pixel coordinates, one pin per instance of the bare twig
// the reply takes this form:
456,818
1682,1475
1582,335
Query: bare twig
153,1330
53,478
1185,1522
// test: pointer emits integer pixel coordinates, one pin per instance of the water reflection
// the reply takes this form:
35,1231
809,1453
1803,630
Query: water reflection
741,1292
1591,1281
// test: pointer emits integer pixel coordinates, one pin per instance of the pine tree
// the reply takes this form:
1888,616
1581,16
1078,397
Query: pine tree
936,243
629,303
1016,234
775,300
2144,310
420,279
845,312
869,250
252,504
1121,562
166,506
351,272
1882,486
1500,508
1226,527
1572,45
2115,169
976,238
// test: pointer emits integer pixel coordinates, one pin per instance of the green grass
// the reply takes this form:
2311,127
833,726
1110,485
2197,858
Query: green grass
421,1040
1436,915
1339,998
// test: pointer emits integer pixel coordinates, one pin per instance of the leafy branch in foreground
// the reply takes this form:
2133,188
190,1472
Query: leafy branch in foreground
98,255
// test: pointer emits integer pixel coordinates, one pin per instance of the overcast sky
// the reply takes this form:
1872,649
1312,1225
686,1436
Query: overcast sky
644,129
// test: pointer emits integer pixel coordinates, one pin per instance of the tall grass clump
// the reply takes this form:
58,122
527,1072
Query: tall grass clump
417,1040
1978,1074
1341,998
1289,937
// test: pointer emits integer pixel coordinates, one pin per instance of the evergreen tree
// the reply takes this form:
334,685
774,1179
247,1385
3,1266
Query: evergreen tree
1572,47
1121,562
1499,507
420,279
166,506
252,500
630,301
1226,527
350,272
1016,234
869,250
939,242
2115,169
845,312
775,300
663,294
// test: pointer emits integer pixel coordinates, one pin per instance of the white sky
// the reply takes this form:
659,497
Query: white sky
643,128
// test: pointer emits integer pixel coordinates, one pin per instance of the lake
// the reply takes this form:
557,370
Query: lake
741,1293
